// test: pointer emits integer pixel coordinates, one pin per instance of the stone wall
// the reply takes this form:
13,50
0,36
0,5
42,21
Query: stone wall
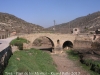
27,46
4,58
82,44
14,48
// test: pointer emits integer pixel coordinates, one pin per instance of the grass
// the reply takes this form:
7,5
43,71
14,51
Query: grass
74,56
30,61
21,40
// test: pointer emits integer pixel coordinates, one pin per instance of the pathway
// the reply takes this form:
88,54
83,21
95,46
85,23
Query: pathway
67,66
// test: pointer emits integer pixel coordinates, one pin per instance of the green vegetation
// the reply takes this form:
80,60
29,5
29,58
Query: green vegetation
30,61
72,55
93,67
89,68
19,42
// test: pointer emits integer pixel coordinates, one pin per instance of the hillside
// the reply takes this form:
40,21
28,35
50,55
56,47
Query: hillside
12,23
85,23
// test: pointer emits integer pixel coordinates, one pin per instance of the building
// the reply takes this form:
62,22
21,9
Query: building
76,30
3,34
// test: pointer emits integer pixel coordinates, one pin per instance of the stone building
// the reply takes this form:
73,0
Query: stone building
3,34
76,30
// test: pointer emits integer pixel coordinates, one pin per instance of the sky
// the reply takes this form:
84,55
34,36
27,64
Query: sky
44,12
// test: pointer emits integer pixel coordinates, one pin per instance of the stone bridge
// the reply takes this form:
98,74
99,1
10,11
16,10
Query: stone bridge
65,40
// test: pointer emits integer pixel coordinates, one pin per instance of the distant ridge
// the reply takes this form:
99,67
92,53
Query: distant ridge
85,23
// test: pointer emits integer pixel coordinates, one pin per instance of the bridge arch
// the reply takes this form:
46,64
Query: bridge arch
49,39
67,44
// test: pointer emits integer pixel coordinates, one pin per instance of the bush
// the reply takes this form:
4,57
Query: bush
17,38
19,45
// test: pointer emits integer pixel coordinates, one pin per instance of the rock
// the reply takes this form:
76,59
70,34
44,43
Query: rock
18,59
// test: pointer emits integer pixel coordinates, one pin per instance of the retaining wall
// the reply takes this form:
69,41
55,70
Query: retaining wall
78,44
4,58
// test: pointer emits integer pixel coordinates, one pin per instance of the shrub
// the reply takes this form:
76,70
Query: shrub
17,38
19,45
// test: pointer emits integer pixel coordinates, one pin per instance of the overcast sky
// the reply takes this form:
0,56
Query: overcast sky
44,12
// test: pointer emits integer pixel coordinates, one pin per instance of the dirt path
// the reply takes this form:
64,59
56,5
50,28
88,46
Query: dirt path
67,66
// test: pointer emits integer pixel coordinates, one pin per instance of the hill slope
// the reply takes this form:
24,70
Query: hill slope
85,23
11,23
